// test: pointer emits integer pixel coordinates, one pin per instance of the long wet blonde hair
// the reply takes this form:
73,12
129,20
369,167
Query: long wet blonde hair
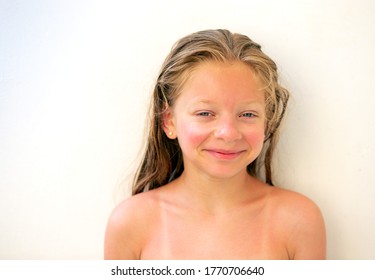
162,160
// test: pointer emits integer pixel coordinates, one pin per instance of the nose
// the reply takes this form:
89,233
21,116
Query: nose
227,129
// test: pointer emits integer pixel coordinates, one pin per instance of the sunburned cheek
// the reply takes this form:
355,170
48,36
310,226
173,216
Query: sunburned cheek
191,135
256,139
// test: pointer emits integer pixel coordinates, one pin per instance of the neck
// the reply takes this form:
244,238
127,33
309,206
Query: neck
216,195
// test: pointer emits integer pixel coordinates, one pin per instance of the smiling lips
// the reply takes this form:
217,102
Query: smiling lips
224,154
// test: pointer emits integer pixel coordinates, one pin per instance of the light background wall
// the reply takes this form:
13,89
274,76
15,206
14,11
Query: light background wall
75,78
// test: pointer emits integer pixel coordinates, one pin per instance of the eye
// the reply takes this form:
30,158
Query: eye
204,114
248,115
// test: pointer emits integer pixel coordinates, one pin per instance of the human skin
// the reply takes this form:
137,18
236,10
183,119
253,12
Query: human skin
219,119
215,209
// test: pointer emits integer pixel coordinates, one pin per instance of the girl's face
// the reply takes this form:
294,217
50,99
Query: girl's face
219,119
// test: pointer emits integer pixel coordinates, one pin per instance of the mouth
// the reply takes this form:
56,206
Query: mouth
224,154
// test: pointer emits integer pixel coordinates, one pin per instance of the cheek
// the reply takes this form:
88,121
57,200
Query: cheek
256,137
190,135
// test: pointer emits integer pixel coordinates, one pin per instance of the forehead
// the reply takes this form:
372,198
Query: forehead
228,82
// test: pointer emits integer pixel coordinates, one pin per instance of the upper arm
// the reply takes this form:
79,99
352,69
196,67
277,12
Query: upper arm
122,240
308,237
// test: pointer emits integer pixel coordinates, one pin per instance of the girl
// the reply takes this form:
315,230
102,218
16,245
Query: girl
198,193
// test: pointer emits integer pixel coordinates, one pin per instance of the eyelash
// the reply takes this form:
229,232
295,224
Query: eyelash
205,114
252,115
209,114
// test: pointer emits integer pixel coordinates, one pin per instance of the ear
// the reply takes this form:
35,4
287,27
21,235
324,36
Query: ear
169,123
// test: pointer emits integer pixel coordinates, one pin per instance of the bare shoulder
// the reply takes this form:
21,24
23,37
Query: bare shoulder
306,236
127,226
293,204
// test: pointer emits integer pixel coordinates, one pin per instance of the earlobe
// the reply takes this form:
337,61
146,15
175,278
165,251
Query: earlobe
170,135
168,124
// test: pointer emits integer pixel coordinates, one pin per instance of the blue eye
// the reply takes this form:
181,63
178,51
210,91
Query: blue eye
204,114
248,115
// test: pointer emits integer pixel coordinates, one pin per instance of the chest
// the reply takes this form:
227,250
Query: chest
237,236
